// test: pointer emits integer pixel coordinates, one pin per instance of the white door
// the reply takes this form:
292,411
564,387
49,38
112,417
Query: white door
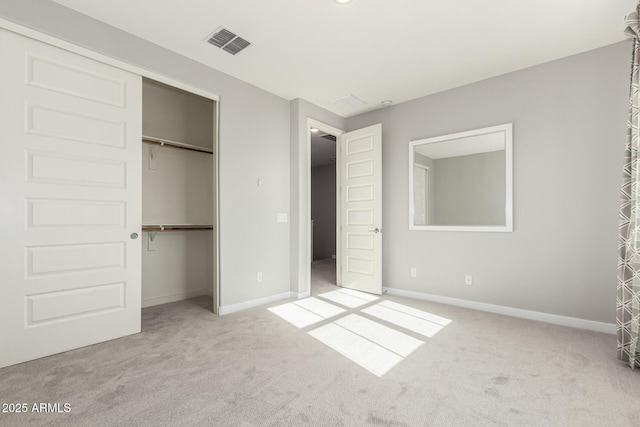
70,197
361,209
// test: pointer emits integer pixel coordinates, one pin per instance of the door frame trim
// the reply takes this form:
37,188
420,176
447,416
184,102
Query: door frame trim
323,127
412,196
143,72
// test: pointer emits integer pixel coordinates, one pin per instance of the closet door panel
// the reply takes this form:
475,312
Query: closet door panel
70,199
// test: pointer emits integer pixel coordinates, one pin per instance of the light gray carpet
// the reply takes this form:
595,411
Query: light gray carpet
323,276
189,367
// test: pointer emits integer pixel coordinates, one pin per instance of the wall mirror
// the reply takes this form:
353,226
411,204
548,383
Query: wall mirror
462,181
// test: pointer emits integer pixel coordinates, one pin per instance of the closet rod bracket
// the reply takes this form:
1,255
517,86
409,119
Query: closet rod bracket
152,155
150,242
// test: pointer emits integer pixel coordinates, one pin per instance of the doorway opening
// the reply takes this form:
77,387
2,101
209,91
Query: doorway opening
179,197
324,182
358,213
323,211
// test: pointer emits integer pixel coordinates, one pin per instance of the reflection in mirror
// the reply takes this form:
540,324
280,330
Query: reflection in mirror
462,181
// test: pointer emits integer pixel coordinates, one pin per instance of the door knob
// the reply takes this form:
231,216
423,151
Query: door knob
375,230
134,236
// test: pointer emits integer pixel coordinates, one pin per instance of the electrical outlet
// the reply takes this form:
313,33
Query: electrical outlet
468,280
259,277
414,272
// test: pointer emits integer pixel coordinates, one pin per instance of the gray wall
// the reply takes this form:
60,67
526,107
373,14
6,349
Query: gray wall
569,119
470,190
323,210
254,144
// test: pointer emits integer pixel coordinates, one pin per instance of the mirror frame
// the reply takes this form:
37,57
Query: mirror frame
508,154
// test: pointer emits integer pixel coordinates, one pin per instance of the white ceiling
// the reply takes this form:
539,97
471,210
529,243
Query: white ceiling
373,49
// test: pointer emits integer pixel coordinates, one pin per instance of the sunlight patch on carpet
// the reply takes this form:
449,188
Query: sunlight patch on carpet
415,312
372,345
349,297
306,312
358,294
408,318
319,307
395,341
296,315
369,355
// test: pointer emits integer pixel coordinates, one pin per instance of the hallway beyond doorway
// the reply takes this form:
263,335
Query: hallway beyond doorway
323,276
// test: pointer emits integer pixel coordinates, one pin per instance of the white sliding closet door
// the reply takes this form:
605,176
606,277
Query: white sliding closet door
70,199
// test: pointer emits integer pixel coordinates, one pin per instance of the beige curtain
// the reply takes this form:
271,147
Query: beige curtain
628,289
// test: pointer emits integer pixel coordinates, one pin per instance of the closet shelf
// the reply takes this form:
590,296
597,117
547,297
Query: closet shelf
163,142
169,227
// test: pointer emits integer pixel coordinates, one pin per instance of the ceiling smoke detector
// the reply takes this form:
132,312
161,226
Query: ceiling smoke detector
227,40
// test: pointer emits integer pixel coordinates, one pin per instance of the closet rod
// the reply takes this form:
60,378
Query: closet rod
176,144
176,227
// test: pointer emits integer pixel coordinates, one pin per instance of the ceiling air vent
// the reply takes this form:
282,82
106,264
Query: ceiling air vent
329,137
236,45
227,40
348,102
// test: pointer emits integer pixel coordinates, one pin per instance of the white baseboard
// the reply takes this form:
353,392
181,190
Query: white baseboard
149,302
573,322
300,295
227,309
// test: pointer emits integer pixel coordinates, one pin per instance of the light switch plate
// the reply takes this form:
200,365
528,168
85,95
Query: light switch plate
282,217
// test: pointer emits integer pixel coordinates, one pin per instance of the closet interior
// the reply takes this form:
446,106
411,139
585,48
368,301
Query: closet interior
178,195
